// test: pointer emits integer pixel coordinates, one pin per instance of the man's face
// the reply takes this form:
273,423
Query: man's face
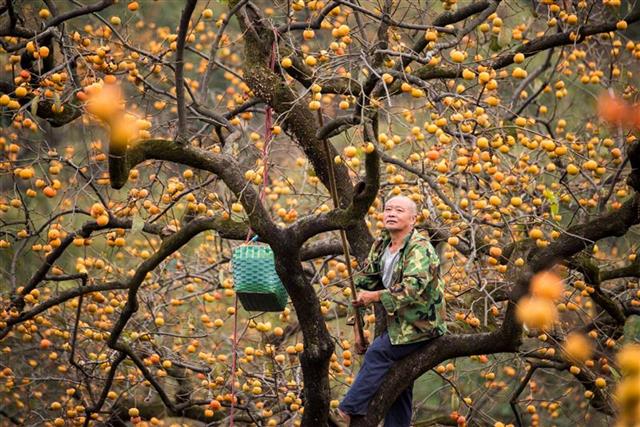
398,215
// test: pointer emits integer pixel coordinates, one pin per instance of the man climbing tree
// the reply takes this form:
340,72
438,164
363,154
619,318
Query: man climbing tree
402,273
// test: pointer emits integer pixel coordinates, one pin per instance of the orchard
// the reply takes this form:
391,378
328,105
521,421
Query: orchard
141,142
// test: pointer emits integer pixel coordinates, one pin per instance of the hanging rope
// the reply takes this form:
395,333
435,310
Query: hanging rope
361,340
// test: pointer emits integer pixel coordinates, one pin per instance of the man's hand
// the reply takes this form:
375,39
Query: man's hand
365,298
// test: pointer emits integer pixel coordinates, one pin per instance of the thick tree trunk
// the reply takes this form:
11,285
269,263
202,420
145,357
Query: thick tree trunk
318,345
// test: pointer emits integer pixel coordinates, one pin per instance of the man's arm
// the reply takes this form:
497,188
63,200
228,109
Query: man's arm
368,277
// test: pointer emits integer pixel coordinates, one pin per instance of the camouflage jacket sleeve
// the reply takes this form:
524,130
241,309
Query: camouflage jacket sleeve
369,277
418,267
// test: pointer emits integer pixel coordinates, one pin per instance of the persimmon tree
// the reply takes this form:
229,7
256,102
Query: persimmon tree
143,140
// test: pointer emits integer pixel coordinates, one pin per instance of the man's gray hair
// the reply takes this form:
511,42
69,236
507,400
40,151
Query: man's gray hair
411,203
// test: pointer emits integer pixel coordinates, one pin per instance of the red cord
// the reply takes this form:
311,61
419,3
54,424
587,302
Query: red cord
233,359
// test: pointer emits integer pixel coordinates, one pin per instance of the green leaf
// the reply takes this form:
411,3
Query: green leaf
57,102
553,200
494,45
34,105
614,373
455,401
220,276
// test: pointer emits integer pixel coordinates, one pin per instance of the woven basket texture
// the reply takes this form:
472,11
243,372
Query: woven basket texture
254,275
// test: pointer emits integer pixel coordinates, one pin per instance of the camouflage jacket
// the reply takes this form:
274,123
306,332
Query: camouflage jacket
414,302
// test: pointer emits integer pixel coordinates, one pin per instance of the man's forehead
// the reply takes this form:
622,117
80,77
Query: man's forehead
400,201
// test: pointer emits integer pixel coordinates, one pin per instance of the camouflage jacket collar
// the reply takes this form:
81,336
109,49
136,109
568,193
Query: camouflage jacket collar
385,238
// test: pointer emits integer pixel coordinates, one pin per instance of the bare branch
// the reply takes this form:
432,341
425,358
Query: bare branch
179,73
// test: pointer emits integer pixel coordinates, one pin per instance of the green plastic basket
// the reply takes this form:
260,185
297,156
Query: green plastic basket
254,275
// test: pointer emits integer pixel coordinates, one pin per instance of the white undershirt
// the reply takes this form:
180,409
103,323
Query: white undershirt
389,260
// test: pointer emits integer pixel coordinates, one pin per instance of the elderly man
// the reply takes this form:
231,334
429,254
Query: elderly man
402,273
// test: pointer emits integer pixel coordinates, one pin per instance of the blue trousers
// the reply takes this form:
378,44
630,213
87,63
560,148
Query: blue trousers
378,359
